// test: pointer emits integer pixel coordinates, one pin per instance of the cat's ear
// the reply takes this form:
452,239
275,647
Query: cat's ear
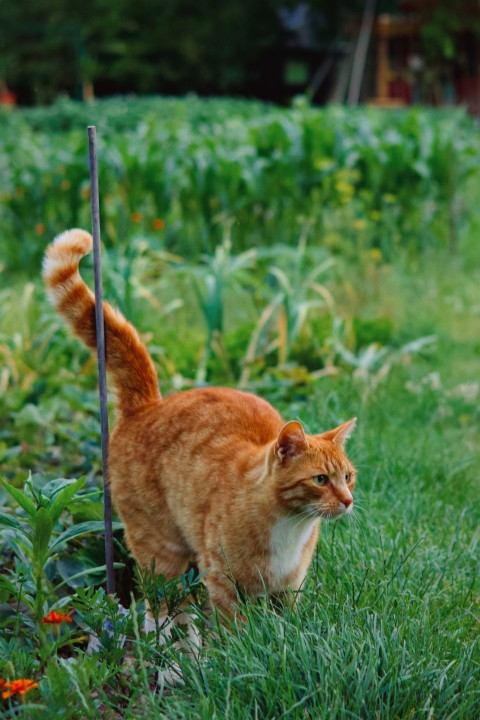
340,434
291,441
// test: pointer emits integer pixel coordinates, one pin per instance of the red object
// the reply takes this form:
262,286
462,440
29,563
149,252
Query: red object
400,90
54,617
7,98
17,687
467,90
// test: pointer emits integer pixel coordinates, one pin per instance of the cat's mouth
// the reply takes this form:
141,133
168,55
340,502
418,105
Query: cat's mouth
332,514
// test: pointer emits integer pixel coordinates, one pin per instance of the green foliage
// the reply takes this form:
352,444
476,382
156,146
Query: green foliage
37,547
442,26
178,173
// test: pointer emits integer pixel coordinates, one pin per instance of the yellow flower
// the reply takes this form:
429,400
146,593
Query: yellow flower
323,164
376,254
359,224
345,189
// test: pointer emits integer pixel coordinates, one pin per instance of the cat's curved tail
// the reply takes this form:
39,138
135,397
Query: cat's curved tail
128,361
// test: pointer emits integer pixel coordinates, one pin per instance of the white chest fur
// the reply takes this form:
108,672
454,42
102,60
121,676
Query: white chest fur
287,540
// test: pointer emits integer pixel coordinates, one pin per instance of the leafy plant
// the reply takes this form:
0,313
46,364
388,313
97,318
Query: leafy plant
37,543
297,293
220,272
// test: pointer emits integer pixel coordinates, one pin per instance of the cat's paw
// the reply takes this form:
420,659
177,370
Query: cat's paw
170,676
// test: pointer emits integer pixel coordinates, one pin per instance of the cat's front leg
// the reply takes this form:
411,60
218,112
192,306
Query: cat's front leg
285,600
179,630
223,595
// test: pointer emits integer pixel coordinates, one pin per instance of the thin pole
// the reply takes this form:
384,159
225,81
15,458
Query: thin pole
361,52
102,377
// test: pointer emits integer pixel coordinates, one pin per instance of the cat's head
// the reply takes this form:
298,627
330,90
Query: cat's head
312,473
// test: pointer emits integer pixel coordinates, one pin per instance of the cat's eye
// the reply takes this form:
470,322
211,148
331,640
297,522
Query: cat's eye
347,477
320,479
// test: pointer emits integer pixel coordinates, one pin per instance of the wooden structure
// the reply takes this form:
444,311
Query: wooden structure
402,76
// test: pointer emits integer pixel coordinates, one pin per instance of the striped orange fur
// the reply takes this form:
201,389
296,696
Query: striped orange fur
212,476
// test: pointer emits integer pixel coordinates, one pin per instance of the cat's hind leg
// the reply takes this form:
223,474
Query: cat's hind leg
169,556
170,559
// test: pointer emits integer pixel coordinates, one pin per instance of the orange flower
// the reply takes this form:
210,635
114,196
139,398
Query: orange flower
136,217
17,687
40,228
54,617
65,184
158,224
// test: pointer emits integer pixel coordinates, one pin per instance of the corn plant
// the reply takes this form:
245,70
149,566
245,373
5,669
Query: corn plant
298,293
219,273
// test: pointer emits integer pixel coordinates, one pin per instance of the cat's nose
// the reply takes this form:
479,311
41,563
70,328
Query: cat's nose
347,502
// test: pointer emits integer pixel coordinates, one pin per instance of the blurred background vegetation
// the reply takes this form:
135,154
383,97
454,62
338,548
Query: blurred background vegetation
269,50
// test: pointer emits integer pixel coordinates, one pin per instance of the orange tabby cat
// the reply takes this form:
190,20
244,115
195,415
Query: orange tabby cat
212,476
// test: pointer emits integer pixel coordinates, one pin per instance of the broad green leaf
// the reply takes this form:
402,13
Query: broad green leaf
6,584
29,415
91,526
22,499
63,498
9,521
21,545
42,532
88,571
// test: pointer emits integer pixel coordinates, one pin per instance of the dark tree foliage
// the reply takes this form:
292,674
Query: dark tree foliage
49,47
170,46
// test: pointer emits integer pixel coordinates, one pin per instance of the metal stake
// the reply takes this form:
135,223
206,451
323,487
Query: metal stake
102,378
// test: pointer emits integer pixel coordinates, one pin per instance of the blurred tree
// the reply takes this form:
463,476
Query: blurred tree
208,46
442,24
36,49
175,46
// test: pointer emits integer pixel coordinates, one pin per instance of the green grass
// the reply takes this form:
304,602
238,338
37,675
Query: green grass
387,626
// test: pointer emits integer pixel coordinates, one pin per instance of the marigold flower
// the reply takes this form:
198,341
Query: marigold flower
17,687
158,224
136,217
54,617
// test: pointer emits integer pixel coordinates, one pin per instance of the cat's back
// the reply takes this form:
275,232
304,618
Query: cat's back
178,450
189,422
220,411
